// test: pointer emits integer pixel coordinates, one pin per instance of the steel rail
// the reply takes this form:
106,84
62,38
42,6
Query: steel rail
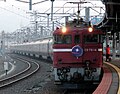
21,75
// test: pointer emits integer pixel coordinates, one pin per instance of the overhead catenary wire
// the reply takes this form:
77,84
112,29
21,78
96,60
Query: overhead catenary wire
14,12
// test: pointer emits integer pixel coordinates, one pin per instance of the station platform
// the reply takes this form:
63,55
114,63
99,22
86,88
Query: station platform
111,78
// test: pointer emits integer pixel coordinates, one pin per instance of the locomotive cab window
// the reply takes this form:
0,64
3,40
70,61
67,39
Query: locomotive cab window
102,38
77,39
91,38
57,39
62,39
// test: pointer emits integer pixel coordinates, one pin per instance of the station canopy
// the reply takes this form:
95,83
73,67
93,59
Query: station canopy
111,21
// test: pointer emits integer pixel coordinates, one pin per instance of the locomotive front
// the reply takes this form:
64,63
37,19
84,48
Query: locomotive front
77,54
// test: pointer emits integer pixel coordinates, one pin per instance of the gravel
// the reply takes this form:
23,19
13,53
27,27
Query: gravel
38,83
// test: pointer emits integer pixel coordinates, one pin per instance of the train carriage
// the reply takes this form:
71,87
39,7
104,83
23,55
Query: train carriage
77,53
39,49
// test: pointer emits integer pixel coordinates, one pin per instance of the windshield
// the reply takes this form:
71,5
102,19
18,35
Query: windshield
62,39
91,38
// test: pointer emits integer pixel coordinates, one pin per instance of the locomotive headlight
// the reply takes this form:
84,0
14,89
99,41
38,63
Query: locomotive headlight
90,29
64,29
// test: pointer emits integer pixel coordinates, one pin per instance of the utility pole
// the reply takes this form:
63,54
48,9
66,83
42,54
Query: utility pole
30,5
48,20
36,23
3,44
87,14
52,9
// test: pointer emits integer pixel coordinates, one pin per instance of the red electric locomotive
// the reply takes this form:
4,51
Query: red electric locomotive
77,53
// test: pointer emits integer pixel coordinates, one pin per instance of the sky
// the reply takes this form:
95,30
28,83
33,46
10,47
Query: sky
14,14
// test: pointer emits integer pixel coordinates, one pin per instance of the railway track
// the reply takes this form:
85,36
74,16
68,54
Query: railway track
77,91
31,69
70,92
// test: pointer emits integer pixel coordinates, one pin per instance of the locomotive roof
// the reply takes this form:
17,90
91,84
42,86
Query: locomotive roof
71,30
77,23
